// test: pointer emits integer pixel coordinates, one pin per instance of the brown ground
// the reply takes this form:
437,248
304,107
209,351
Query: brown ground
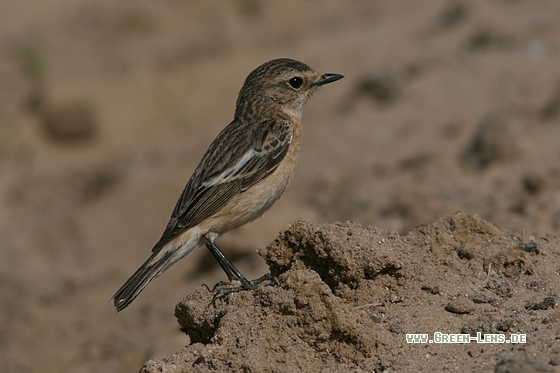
347,296
106,108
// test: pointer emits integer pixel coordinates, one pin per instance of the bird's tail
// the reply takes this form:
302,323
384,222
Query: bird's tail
152,268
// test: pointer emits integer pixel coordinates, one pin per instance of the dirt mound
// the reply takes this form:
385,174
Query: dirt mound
347,297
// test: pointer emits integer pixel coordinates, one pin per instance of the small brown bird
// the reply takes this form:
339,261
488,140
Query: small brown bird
243,172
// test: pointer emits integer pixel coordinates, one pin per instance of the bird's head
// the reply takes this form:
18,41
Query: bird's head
283,83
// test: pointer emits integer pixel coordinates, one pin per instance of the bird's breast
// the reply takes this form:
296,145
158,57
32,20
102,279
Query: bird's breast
256,200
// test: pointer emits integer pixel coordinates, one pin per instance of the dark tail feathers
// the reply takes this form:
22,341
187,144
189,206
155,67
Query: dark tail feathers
138,281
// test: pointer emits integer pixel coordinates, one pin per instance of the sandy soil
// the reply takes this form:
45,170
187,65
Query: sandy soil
106,108
347,297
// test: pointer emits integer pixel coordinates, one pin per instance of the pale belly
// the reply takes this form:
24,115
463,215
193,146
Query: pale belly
256,200
252,203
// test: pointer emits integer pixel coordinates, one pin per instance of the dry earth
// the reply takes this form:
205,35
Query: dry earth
106,108
347,296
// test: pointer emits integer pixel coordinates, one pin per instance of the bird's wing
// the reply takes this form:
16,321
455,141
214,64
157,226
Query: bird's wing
240,156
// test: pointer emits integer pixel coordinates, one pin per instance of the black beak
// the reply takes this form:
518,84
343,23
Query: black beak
327,78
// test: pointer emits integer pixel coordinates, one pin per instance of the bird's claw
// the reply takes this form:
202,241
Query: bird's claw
245,285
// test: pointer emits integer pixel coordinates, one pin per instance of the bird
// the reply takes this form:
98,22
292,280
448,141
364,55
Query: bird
244,171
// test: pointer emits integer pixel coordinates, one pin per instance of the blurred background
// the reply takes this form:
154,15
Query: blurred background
107,107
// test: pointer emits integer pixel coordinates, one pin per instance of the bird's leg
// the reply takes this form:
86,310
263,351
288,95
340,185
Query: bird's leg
233,273
230,270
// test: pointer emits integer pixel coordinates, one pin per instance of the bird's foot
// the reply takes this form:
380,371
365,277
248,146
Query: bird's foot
245,285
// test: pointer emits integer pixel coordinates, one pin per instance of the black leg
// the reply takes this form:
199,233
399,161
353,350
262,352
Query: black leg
228,267
233,273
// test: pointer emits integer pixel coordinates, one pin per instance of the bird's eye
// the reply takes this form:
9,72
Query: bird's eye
296,82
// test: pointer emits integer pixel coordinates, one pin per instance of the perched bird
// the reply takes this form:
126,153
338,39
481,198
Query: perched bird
244,171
